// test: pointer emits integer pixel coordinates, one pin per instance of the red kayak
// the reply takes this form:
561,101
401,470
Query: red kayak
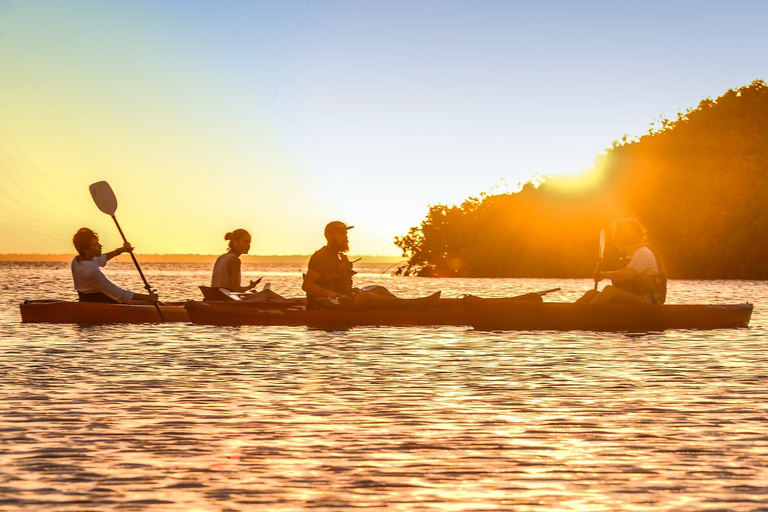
447,312
504,315
243,313
514,313
64,312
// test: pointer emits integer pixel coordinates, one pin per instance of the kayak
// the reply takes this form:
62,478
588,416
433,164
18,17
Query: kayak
64,312
449,312
526,312
503,315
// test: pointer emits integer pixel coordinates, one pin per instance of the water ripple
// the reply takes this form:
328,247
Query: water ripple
181,417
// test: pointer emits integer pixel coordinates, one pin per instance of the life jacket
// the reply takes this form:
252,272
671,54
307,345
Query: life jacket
653,286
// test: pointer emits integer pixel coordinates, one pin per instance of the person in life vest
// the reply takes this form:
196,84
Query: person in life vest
641,281
91,284
328,281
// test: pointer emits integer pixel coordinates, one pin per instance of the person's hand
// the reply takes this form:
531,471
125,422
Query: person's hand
125,248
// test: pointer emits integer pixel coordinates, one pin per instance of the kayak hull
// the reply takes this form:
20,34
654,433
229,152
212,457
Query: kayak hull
64,312
482,314
228,313
503,315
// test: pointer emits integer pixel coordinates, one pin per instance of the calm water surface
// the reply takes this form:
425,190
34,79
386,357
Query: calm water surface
179,417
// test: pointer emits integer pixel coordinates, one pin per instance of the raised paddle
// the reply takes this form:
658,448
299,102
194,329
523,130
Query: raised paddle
600,253
107,202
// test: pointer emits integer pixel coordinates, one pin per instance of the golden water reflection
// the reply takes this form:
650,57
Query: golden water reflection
183,417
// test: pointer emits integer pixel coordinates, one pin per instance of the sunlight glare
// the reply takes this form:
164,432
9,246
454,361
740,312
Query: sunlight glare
581,181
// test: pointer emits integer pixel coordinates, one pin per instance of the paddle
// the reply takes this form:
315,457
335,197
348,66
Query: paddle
535,296
107,202
600,253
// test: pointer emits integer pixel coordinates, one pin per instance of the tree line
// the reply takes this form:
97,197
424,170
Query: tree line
698,183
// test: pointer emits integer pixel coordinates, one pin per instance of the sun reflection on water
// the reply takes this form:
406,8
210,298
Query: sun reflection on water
184,417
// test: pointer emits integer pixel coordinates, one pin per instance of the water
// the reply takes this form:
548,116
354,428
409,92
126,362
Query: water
180,417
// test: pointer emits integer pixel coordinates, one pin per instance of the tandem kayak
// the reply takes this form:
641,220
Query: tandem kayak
447,312
450,312
505,315
512,313
64,312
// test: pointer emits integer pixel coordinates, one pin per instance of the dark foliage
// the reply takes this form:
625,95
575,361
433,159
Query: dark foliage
699,184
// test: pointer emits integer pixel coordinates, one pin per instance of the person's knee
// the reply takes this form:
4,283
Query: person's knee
364,300
377,290
588,296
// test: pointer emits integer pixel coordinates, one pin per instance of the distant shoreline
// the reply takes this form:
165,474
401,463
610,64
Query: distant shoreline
196,258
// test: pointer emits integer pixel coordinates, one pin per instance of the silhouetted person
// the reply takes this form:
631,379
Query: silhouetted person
91,284
328,281
641,281
226,270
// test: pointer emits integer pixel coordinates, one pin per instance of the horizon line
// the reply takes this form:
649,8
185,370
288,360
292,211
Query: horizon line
191,258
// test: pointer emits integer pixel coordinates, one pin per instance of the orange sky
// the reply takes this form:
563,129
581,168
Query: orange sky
279,117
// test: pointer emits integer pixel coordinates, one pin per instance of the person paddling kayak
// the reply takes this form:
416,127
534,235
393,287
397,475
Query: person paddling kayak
642,281
328,281
91,284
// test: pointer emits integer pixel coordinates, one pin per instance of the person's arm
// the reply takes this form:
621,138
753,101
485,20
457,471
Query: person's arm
642,260
110,289
311,287
120,250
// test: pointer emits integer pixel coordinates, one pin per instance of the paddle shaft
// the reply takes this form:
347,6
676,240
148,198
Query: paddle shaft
136,262
600,253
599,264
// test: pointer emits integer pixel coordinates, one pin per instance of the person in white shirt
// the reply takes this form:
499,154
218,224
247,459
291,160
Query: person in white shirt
642,281
91,284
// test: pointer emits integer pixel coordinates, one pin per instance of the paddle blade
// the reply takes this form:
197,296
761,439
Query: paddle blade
602,244
104,197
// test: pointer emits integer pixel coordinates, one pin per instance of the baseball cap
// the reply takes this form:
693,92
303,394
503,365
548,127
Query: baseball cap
336,225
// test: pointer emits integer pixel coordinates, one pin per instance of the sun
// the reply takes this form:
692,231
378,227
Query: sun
579,182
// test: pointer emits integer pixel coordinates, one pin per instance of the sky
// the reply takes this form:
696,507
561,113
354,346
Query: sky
280,116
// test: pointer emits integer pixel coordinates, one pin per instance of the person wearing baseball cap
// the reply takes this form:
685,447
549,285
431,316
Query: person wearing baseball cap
328,281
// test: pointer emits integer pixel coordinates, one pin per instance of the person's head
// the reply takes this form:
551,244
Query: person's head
336,235
239,241
86,243
628,234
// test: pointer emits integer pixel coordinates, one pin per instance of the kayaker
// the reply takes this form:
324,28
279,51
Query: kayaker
642,280
328,281
91,284
226,270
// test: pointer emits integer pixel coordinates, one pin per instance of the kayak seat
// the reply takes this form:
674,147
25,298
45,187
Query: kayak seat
210,293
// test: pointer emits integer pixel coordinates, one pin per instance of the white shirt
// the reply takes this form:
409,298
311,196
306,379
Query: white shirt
643,260
220,277
89,279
